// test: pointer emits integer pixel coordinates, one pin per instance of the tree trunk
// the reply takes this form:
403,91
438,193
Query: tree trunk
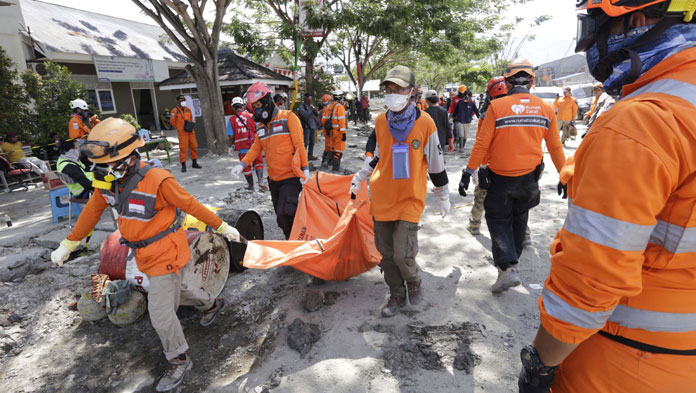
309,75
209,93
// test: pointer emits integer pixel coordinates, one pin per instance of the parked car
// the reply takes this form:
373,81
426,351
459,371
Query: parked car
547,93
583,95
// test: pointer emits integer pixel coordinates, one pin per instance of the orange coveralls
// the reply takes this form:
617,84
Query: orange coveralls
187,140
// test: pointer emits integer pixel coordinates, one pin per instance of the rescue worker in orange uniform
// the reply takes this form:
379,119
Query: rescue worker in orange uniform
326,129
241,131
566,113
181,118
407,152
419,101
334,123
618,309
509,139
148,201
76,127
279,135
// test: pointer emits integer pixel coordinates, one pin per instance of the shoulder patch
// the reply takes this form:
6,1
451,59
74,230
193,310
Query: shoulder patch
416,144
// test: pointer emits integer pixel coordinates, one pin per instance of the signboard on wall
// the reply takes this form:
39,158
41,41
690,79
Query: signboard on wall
123,69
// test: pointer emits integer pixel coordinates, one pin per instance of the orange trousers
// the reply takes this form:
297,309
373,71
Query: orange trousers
338,142
601,365
187,140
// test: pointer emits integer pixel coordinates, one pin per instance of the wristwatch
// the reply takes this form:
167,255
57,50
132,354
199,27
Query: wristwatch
532,363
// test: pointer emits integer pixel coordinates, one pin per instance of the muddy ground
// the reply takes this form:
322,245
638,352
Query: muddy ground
460,339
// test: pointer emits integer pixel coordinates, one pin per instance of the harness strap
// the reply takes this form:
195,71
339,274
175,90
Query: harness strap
176,225
646,347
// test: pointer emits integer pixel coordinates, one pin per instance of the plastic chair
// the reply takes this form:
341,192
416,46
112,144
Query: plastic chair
58,208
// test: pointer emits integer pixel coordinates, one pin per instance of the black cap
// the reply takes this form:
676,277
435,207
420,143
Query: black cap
308,94
277,97
180,98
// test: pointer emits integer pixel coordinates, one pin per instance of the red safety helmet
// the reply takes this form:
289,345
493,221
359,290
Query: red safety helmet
326,98
497,87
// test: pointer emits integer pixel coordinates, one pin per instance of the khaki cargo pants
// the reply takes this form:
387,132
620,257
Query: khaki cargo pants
397,241
166,294
564,127
477,210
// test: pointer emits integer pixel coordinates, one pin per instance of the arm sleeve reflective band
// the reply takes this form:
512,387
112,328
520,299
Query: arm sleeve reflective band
559,309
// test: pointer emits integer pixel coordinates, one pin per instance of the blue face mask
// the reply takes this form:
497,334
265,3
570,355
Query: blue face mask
673,40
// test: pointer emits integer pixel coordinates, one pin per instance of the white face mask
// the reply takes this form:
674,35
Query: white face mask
396,102
183,104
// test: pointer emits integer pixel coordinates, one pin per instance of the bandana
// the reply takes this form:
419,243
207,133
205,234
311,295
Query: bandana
401,124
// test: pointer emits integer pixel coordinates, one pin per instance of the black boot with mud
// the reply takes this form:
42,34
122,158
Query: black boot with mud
194,164
183,167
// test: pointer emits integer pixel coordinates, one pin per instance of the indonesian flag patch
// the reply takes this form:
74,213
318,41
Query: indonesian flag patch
136,206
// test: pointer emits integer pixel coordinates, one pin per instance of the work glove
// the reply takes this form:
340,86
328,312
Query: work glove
229,232
534,383
361,175
230,150
237,170
63,251
443,195
562,190
305,172
464,183
450,142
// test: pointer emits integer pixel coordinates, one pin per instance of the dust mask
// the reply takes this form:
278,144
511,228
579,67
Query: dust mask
396,102
183,104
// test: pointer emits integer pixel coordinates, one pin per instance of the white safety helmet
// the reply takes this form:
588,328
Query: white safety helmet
337,95
78,103
284,95
237,101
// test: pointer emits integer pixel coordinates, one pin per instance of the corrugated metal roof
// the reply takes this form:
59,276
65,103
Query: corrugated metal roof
232,68
63,29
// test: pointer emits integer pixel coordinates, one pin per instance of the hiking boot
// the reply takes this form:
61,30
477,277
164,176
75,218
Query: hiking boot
506,280
183,167
415,294
218,308
174,375
312,158
393,305
263,187
194,164
475,230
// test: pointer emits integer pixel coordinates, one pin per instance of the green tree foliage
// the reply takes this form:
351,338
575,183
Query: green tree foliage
13,116
50,95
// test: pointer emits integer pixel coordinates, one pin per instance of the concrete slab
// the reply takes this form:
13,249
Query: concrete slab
21,262
52,240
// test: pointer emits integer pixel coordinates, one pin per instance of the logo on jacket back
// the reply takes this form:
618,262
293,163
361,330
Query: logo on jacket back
518,109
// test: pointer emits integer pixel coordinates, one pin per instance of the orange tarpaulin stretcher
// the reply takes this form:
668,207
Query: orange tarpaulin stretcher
332,237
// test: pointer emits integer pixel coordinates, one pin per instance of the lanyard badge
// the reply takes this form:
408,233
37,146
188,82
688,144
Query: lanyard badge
400,161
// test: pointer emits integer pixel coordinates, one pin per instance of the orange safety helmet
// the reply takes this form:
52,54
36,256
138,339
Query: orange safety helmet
326,98
614,8
462,89
497,87
519,65
111,140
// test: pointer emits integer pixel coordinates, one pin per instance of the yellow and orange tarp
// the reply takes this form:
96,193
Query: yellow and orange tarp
332,237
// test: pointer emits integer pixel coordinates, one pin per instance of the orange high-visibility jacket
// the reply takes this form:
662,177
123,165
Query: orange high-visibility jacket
178,115
76,128
336,114
150,210
93,121
511,135
567,108
404,199
280,139
625,259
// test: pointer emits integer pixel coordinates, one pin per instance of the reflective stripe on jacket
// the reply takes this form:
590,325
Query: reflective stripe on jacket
279,141
625,259
510,135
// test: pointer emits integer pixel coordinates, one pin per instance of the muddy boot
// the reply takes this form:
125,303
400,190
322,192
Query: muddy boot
474,227
175,373
393,305
325,160
262,184
183,167
218,308
527,238
463,143
250,182
506,280
194,164
415,294
336,163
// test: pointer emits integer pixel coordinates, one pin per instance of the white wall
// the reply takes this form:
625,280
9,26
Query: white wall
11,21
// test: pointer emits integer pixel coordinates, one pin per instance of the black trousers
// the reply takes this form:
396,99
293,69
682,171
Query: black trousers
285,195
309,136
507,207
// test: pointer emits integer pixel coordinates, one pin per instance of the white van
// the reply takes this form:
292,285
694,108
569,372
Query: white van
547,93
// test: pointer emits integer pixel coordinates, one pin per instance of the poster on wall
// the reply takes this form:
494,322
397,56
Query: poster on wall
123,69
197,111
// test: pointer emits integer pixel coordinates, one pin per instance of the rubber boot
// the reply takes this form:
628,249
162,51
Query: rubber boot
194,164
183,167
262,184
250,182
336,162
